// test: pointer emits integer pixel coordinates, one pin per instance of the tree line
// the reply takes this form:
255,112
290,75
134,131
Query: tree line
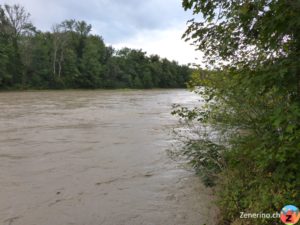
71,57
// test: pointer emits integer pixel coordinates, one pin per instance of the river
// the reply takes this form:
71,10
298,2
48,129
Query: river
95,158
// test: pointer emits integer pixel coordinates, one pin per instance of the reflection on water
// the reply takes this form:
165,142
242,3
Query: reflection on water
95,157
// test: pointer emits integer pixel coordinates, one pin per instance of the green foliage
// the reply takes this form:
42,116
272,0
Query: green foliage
252,98
70,57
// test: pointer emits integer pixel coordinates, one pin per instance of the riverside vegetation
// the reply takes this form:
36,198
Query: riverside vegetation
246,135
245,138
71,57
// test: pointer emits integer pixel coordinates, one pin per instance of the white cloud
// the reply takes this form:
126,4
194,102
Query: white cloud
166,43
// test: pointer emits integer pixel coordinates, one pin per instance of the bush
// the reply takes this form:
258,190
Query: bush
252,95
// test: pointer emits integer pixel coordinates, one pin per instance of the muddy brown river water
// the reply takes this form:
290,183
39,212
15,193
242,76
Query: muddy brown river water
95,158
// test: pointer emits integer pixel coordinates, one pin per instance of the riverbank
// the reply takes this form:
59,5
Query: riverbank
87,89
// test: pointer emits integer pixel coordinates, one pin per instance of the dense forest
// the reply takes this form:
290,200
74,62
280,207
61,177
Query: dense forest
71,57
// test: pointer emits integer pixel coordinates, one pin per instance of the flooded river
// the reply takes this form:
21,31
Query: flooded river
95,158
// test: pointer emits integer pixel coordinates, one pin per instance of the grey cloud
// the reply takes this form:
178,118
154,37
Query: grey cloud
115,20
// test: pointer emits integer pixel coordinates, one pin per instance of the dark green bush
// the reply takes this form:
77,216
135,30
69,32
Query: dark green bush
252,97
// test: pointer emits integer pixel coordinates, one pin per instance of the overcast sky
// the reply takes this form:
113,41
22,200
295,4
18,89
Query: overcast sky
155,26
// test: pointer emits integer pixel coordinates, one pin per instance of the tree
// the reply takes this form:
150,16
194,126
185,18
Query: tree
71,57
39,71
16,22
83,28
137,83
147,79
253,97
90,64
61,38
5,50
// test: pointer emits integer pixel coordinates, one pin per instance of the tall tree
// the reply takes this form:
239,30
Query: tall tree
90,63
61,38
254,93
19,24
5,50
